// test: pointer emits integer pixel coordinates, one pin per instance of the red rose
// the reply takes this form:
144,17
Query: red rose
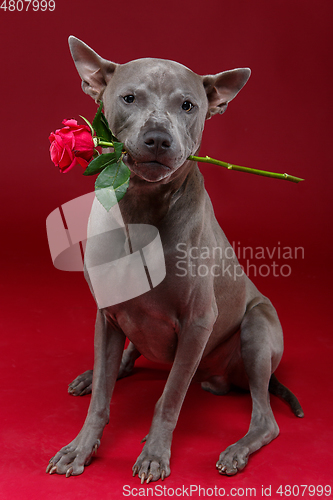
71,145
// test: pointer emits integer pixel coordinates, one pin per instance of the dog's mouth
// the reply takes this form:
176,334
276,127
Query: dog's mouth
151,171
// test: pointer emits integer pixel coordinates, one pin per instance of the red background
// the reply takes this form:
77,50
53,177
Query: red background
281,121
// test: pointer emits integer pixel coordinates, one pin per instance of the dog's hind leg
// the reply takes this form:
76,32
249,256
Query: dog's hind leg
83,383
261,350
130,355
217,385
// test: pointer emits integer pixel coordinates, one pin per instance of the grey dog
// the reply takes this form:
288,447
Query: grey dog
217,329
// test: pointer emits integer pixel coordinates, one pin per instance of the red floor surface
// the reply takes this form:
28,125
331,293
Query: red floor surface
48,341
281,121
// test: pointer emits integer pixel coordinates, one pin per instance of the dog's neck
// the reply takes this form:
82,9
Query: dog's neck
149,203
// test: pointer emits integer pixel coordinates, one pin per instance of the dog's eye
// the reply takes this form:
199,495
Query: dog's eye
129,98
187,106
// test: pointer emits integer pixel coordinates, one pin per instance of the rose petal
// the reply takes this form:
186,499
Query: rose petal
84,145
82,162
67,169
55,153
70,123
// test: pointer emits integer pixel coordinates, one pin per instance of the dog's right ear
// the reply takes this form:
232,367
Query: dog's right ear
95,71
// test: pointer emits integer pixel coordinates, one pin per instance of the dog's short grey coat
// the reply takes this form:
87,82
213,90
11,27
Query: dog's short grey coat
219,330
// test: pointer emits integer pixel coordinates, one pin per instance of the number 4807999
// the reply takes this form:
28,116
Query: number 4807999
25,5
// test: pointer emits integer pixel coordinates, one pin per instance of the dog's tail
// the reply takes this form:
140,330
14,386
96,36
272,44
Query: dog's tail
275,387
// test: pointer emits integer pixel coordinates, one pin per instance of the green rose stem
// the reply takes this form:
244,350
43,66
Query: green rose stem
229,166
103,144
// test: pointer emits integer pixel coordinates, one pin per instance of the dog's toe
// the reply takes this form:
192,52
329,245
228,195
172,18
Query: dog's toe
82,385
72,459
151,469
232,460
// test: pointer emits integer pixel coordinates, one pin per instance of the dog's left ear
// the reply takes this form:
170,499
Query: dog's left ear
223,87
95,71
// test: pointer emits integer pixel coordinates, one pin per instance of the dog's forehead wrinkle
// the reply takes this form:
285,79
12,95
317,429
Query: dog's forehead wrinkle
159,76
157,118
149,64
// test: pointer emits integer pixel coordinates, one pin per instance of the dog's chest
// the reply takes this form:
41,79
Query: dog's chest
152,330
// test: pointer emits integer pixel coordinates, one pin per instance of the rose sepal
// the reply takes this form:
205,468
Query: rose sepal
101,127
89,125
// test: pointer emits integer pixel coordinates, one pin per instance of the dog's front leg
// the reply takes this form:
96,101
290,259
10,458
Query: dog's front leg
153,462
108,348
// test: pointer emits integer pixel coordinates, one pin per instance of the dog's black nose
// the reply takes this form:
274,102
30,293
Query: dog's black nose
157,141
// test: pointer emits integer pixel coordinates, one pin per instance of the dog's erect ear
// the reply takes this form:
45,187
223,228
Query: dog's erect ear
95,71
223,87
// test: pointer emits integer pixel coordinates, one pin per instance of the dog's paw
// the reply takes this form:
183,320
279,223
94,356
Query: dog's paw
82,384
72,459
149,467
233,459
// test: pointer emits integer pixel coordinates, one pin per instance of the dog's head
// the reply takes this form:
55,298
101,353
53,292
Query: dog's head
156,107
